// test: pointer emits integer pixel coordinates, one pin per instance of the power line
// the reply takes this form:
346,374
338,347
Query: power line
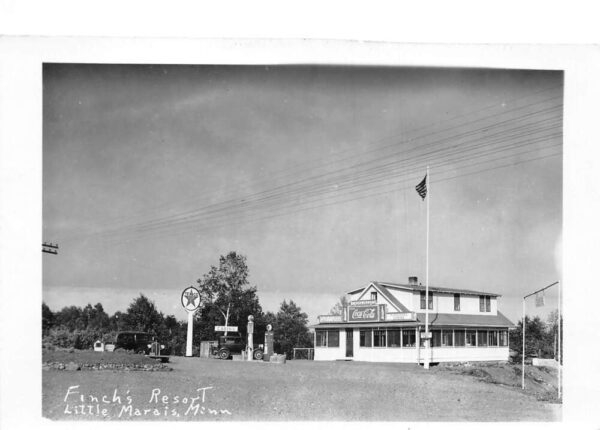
237,221
186,227
378,172
282,189
362,153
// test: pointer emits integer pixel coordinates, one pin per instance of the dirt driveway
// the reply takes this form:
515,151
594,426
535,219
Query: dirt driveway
211,389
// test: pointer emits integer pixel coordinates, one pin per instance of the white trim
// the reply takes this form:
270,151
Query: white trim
381,294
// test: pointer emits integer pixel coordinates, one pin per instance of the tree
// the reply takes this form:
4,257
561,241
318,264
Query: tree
117,322
142,315
47,318
552,326
226,296
71,318
339,306
536,338
290,329
95,317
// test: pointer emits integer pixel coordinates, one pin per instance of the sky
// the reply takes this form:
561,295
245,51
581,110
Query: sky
151,172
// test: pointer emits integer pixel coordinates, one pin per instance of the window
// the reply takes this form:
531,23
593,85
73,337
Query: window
504,337
379,338
333,338
485,304
328,338
393,338
423,300
493,338
365,338
457,302
321,338
130,337
374,297
143,337
459,338
471,338
482,338
447,338
436,338
408,338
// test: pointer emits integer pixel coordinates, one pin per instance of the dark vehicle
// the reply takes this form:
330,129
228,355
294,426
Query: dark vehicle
234,344
141,343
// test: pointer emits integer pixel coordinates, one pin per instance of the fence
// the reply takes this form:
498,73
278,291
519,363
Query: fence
304,353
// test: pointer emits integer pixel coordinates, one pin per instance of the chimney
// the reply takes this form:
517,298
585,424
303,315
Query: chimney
413,280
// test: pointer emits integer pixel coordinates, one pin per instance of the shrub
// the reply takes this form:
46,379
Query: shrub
78,339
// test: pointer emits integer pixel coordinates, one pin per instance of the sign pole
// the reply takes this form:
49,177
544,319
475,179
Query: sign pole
190,334
190,300
541,290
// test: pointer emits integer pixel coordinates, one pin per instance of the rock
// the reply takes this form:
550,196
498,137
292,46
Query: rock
277,358
72,366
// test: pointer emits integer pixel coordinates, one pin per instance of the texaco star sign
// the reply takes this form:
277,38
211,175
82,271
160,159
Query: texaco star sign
190,299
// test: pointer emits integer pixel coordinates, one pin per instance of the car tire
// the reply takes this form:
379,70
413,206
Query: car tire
223,354
258,354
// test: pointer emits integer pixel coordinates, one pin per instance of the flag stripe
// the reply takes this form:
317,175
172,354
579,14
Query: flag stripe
422,188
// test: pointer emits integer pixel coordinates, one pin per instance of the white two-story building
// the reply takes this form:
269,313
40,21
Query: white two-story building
386,322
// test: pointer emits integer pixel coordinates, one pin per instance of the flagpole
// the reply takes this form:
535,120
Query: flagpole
427,339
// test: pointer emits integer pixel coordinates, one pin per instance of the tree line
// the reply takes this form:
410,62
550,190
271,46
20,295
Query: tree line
541,337
226,299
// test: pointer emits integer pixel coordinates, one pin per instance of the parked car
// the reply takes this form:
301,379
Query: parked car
141,343
235,344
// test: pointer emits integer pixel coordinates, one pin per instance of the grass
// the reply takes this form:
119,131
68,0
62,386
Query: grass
298,390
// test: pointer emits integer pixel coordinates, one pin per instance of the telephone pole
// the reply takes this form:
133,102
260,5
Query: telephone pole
50,248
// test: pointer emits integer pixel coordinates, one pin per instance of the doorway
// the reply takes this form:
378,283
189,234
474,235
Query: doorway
349,342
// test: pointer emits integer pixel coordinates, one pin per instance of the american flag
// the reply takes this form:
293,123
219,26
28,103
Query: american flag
422,188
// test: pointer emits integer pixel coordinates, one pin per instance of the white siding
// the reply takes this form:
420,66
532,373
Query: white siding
367,295
444,304
492,353
409,355
404,297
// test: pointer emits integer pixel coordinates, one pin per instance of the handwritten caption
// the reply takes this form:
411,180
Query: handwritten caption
124,405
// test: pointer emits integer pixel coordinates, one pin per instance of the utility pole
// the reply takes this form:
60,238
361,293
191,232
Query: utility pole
50,248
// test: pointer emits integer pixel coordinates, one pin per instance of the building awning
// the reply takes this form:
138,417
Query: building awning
370,324
462,320
435,320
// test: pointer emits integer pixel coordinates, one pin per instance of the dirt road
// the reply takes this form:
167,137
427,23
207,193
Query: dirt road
299,390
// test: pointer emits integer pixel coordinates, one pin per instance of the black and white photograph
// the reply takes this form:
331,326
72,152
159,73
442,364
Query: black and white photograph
300,234
289,232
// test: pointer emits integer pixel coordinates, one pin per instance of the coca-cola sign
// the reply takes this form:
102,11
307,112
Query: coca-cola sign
363,313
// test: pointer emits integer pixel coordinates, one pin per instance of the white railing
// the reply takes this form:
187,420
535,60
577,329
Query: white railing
400,316
330,318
